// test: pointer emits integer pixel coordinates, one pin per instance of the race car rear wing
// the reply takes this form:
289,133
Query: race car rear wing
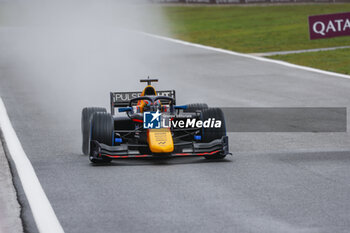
122,99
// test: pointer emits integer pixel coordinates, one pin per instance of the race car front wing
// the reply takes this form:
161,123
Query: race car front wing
182,148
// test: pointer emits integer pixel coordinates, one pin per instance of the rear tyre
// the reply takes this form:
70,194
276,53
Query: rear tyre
196,107
210,134
86,115
102,129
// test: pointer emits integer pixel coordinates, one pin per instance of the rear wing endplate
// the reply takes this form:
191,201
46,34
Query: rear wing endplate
122,99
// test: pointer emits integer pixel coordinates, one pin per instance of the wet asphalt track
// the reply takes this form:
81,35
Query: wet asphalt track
274,182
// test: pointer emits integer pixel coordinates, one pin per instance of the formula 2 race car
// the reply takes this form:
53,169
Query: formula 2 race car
152,125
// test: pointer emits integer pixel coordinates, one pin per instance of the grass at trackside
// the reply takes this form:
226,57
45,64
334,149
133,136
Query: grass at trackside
251,29
265,28
335,60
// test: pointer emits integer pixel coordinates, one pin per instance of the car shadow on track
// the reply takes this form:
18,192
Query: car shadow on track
161,161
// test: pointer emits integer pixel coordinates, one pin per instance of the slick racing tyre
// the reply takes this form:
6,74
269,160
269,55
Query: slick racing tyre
102,129
196,107
210,134
86,115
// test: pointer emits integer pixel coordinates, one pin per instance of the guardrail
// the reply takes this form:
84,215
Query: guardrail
248,1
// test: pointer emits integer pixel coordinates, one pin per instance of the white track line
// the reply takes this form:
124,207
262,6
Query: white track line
41,208
298,51
248,56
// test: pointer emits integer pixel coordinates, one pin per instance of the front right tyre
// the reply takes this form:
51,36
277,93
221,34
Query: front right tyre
86,115
102,130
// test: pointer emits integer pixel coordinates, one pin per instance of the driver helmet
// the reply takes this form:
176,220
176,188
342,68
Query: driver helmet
145,106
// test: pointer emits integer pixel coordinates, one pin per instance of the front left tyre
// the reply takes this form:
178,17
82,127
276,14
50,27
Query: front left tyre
196,107
210,134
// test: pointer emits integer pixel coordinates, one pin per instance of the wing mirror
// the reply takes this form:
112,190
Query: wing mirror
126,109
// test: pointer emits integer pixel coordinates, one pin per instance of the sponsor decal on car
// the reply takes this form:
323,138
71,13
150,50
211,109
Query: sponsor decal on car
127,96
